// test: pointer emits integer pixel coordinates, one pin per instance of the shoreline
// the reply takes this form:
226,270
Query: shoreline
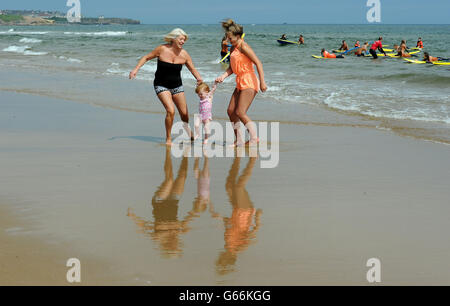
145,101
82,178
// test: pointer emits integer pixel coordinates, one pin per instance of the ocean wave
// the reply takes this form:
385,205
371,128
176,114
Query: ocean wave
25,50
16,49
107,33
417,112
71,60
9,32
30,41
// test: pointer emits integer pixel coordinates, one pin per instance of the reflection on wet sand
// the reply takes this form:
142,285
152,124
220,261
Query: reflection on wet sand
240,230
166,228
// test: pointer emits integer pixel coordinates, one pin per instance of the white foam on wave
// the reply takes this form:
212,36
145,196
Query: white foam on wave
416,113
25,50
71,60
16,49
107,33
20,33
74,60
30,41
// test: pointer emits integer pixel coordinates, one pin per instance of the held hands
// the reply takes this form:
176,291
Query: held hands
133,74
220,79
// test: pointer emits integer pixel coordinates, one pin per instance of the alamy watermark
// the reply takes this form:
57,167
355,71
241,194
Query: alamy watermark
374,14
221,142
374,273
73,275
74,13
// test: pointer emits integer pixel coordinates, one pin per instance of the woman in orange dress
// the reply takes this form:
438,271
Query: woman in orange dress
242,59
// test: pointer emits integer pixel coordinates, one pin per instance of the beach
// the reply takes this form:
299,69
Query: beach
80,180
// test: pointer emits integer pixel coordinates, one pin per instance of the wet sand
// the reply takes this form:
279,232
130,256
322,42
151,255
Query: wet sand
97,184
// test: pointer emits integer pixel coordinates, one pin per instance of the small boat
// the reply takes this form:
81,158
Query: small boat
286,42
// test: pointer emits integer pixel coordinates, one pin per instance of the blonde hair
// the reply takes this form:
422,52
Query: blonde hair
232,27
174,34
202,87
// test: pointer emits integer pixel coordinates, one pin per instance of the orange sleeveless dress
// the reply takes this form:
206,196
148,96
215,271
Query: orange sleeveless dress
242,66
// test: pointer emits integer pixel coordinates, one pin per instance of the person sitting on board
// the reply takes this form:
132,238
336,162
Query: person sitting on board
301,40
429,59
327,54
283,37
378,45
344,46
419,43
402,50
360,50
357,44
225,49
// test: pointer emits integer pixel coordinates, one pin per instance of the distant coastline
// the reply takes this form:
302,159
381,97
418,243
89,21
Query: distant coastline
37,17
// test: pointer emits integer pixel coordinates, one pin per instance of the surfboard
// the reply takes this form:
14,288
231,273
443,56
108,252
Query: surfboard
414,61
286,42
321,57
396,56
225,57
441,63
349,51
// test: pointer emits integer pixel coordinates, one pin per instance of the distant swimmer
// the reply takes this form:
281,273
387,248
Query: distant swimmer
301,40
327,54
429,59
357,44
378,45
283,37
344,46
419,43
362,51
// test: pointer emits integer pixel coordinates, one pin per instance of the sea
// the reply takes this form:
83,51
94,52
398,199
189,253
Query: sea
92,63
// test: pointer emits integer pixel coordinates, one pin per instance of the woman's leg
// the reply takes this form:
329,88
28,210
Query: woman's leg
246,98
180,102
166,99
231,111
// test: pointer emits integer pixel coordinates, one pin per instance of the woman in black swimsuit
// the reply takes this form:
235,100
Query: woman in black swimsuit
168,84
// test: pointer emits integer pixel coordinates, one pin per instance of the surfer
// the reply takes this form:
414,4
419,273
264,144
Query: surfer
283,37
327,54
344,46
429,59
419,43
360,50
378,45
242,59
301,40
402,50
167,83
357,44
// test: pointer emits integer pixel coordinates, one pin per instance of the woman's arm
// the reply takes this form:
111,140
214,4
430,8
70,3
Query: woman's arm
247,50
225,75
191,67
143,60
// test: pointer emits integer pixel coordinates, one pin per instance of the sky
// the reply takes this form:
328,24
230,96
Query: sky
252,11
